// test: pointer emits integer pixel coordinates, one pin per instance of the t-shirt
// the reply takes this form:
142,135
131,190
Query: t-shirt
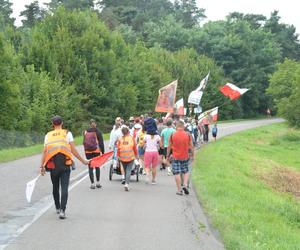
166,133
214,130
180,144
141,137
69,138
151,145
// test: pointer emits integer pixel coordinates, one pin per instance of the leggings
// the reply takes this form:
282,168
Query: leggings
91,170
60,177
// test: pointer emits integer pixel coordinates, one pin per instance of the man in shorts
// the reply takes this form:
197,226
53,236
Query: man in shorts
182,148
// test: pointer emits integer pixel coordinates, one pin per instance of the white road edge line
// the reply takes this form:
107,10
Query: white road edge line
45,209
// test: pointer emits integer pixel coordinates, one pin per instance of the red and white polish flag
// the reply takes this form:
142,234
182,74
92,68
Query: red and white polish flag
232,91
211,115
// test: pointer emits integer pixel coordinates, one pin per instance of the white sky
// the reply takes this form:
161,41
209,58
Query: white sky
218,9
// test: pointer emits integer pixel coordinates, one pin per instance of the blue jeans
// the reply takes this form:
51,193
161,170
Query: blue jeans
127,168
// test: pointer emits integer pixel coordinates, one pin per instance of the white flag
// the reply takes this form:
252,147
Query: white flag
196,95
203,83
30,187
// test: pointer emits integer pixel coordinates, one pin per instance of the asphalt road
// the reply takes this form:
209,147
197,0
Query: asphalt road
147,217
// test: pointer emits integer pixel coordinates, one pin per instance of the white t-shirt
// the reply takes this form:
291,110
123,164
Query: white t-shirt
70,138
151,145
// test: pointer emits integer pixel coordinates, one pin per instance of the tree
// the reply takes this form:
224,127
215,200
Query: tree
247,55
32,14
71,4
168,33
187,12
5,14
285,35
285,88
9,87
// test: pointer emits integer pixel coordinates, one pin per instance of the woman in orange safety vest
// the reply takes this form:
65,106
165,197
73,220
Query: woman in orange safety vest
127,153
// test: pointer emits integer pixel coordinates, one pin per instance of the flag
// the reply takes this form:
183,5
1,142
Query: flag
100,160
166,98
180,107
211,115
30,187
195,97
203,83
232,91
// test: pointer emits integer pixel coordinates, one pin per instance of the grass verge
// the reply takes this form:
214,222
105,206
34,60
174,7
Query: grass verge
249,184
17,153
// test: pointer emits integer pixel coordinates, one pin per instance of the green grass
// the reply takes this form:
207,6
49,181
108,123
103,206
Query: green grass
248,213
17,153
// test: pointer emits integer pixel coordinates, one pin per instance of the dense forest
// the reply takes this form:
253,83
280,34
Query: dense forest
102,59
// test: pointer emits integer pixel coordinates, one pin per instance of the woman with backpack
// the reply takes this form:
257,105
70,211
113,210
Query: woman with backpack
93,147
151,158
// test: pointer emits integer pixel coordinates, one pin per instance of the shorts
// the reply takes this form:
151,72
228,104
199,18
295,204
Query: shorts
180,166
141,150
214,135
151,159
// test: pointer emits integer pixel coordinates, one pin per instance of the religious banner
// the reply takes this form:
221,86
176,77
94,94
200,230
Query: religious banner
166,98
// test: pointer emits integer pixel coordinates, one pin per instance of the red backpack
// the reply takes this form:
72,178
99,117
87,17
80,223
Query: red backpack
90,141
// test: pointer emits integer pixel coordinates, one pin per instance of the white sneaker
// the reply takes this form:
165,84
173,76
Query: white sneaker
147,179
126,187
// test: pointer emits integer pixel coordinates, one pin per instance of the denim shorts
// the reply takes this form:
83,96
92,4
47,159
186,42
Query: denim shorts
141,150
180,166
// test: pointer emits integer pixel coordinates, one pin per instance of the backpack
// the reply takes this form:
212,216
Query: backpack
90,141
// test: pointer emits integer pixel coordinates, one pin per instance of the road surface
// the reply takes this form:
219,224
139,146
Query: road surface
147,217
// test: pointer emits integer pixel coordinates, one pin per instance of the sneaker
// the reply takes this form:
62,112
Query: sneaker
123,182
147,179
185,190
98,185
126,186
179,192
57,211
92,186
62,214
153,182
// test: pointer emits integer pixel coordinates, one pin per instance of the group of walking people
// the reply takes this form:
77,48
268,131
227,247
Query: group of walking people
142,140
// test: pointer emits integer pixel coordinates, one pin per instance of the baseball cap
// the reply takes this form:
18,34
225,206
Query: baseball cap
56,120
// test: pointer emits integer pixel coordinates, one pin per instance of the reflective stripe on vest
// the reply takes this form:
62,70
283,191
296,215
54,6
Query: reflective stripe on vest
126,145
57,143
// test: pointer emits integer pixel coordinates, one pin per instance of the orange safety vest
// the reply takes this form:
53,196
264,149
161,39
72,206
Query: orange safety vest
126,148
57,143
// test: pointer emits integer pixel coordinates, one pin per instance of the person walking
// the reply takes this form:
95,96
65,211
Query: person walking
181,146
127,153
57,158
205,123
165,137
214,132
141,150
151,158
93,146
115,135
150,124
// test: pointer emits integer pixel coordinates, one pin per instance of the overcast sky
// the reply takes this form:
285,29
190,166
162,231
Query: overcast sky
218,9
